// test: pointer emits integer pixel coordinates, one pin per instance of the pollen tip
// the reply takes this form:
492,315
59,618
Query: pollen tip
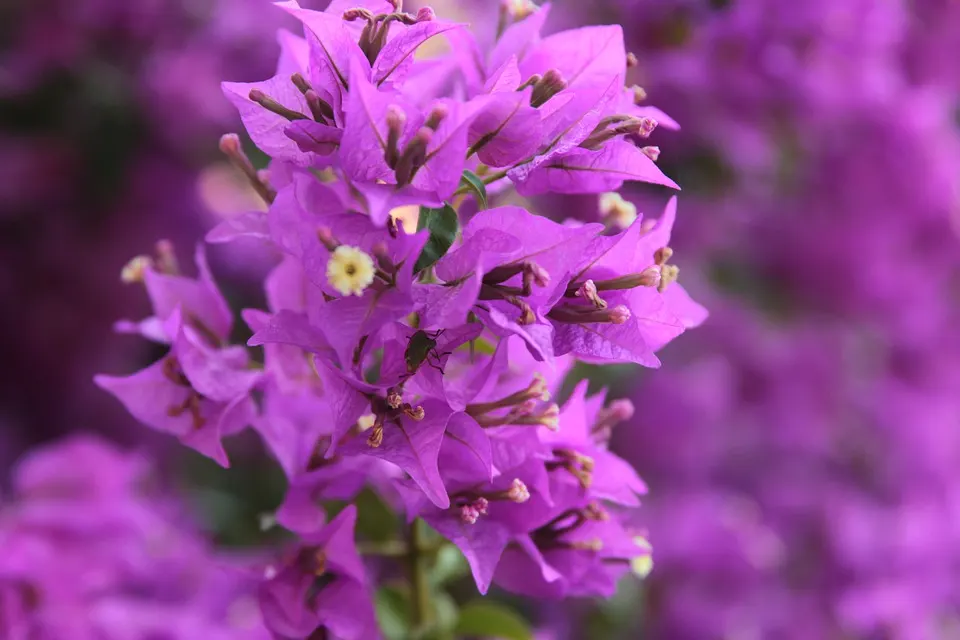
134,271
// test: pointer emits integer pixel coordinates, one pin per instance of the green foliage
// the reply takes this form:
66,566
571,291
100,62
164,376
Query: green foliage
489,619
474,184
443,224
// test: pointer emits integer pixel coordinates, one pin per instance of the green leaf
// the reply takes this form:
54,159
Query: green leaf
443,225
393,613
488,619
449,566
474,184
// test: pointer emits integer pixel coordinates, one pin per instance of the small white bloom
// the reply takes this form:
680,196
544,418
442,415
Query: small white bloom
350,270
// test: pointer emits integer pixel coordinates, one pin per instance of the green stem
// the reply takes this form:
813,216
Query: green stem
387,549
419,586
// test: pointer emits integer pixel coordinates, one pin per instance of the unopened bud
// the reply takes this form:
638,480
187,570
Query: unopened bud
426,14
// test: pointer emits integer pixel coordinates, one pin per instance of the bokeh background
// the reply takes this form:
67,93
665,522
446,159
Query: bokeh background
802,447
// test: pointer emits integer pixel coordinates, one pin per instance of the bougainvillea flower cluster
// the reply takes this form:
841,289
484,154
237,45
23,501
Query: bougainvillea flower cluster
425,362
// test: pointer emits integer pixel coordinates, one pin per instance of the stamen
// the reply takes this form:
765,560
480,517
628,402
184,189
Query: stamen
358,13
632,60
134,271
649,277
641,127
548,86
230,147
518,491
662,255
639,94
470,512
536,390
619,411
594,544
320,109
396,119
414,413
578,315
588,291
166,258
668,275
437,115
325,236
375,439
530,82
268,103
595,512
394,399
413,156
320,562
575,463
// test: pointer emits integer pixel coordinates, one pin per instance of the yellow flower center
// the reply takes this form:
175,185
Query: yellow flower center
350,270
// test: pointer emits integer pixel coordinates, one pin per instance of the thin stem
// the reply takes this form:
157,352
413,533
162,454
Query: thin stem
419,586
386,549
